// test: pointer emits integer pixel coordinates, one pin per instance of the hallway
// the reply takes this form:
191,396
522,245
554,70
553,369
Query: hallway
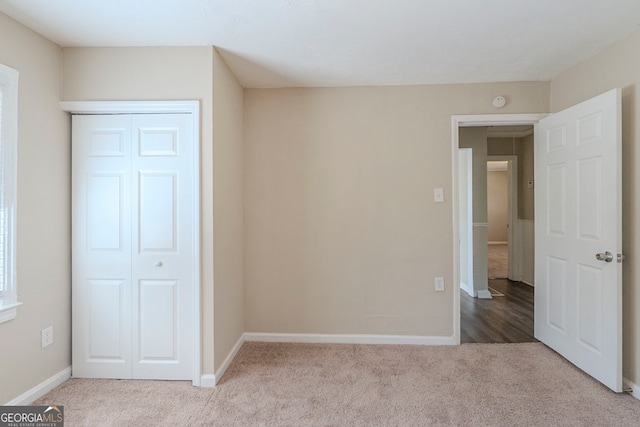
503,319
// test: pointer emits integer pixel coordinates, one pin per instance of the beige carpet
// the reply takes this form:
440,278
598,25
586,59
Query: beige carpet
347,385
498,261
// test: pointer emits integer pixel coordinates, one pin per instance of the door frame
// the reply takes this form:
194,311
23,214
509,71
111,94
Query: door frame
458,121
165,107
468,239
514,230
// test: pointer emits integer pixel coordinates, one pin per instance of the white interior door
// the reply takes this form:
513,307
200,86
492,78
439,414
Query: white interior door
162,252
133,252
578,298
101,242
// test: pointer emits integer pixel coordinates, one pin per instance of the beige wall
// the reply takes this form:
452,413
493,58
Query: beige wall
341,231
617,66
524,151
43,221
158,73
497,205
228,209
501,146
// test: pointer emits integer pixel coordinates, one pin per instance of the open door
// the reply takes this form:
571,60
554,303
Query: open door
578,235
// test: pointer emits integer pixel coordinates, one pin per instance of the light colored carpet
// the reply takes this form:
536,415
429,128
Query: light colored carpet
360,385
498,261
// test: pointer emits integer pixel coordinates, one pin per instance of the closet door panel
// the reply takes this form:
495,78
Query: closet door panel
162,259
101,247
158,210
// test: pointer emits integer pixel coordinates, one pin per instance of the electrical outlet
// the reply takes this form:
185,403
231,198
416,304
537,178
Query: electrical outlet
47,336
439,284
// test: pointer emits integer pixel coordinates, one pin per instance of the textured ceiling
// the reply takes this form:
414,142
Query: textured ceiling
281,43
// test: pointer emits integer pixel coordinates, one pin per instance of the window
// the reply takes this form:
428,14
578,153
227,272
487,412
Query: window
8,163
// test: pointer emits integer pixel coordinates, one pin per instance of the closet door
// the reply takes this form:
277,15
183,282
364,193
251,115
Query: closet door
133,246
162,252
101,242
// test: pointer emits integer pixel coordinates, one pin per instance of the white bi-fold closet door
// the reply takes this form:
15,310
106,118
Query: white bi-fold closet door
133,246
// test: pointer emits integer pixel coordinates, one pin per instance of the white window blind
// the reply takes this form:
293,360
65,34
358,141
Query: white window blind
8,166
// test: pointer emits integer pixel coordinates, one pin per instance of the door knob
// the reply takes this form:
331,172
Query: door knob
606,257
159,264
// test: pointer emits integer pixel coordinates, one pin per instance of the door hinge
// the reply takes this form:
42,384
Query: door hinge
620,258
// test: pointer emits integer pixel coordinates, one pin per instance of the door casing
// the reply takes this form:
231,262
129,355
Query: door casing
156,107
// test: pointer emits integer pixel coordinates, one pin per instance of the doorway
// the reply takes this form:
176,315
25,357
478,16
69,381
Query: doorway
522,294
505,315
502,215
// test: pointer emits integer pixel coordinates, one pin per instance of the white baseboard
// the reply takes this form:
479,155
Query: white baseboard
232,354
348,339
207,381
527,282
28,397
468,289
635,389
484,294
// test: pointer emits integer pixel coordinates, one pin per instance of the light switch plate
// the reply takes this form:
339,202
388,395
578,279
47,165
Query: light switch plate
438,195
47,336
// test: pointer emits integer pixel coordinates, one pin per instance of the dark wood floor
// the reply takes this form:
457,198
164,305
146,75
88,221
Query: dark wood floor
506,319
